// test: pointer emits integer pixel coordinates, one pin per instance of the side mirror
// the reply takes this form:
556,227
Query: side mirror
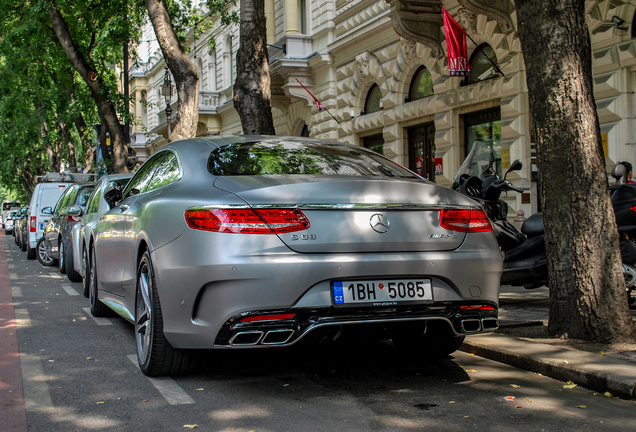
47,210
112,194
75,211
515,166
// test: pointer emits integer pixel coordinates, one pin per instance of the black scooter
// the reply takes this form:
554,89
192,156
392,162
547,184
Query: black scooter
525,260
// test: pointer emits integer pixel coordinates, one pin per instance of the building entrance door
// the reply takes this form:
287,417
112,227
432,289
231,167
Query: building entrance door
422,150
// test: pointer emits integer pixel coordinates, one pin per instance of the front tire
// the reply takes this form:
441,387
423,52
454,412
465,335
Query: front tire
43,249
154,354
98,309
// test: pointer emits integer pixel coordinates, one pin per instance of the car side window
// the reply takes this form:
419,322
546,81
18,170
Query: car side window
66,200
82,196
167,172
93,200
143,176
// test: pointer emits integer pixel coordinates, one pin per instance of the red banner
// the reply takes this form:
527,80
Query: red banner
455,46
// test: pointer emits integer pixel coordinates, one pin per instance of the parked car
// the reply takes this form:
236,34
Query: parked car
57,234
8,222
266,241
46,194
18,221
95,208
7,206
23,229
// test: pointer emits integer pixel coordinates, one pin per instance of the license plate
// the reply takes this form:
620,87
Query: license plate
381,292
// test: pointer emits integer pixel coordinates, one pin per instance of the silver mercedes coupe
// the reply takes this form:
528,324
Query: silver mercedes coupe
248,242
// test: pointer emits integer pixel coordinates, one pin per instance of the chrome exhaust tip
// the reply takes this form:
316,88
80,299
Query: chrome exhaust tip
277,337
489,324
471,325
246,338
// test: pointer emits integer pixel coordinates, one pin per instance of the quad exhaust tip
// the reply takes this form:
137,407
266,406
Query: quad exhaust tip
258,337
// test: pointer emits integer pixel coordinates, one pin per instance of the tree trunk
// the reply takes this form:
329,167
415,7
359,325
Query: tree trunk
252,93
52,156
185,74
587,289
99,91
87,145
65,135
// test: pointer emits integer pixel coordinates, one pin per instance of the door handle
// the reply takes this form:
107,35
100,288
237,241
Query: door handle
123,208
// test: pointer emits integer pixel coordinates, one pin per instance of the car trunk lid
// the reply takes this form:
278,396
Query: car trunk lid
356,215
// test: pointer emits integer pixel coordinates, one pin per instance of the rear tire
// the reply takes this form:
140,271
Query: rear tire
30,253
154,354
434,340
72,275
61,261
86,278
23,245
98,309
43,249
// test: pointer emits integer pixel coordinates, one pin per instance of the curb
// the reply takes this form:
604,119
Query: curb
589,370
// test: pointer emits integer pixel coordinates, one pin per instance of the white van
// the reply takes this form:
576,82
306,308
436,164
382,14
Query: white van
46,194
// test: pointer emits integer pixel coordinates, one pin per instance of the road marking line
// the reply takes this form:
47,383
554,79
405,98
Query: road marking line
16,291
22,319
13,276
36,389
168,388
9,259
11,266
69,290
99,321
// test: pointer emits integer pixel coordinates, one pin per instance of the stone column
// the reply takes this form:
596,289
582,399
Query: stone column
291,17
138,111
270,19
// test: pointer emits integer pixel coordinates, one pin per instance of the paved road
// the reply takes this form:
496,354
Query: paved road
78,376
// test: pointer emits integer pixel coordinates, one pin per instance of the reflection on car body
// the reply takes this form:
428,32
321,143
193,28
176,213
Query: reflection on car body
96,206
247,242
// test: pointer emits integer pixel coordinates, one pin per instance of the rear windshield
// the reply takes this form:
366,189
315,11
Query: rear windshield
7,205
278,157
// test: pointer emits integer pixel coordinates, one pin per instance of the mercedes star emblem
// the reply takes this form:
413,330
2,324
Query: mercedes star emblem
379,223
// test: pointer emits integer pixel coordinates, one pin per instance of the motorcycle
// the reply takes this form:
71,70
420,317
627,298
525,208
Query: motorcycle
525,259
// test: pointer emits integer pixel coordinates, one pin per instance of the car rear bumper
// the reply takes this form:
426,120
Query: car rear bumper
202,292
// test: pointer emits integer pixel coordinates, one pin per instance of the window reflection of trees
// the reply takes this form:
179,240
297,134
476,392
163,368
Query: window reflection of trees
165,173
289,158
143,176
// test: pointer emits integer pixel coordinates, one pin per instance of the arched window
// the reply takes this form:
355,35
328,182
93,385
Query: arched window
374,100
421,85
481,64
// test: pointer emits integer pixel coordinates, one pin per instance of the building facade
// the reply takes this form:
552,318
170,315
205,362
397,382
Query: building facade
379,67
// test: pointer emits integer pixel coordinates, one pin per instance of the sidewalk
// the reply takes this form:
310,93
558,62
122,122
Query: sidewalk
614,373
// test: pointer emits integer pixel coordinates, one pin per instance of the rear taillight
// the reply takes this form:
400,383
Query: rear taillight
471,220
272,317
633,208
73,218
476,307
32,224
247,221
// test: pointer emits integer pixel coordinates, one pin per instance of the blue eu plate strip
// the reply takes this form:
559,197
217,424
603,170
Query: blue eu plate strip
338,295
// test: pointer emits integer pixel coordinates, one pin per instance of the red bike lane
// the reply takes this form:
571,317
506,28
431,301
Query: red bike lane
12,407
